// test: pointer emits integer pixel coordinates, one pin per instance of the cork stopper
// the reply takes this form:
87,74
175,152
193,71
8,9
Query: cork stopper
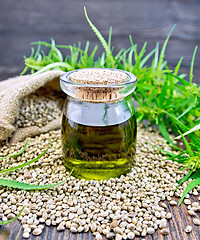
102,77
98,76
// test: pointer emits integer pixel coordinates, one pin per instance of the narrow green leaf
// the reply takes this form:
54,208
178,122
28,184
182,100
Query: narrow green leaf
176,121
26,186
162,53
109,38
171,90
183,103
26,163
41,43
162,150
179,157
193,103
68,47
59,54
181,80
163,94
54,66
196,174
119,65
151,95
164,132
189,187
100,37
182,126
178,66
39,58
93,52
195,128
130,57
32,52
139,117
33,67
146,58
57,46
118,56
187,145
134,46
192,64
24,71
16,154
37,52
13,219
156,56
143,50
185,178
86,47
32,70
102,59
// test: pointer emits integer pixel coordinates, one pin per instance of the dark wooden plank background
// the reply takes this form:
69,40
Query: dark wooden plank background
180,219
22,22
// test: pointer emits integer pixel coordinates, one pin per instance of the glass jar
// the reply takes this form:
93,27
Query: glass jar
98,125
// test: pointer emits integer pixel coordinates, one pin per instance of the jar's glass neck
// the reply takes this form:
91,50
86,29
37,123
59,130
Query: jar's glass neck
98,93
101,114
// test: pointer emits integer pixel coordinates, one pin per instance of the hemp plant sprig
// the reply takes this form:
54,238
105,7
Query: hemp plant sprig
189,158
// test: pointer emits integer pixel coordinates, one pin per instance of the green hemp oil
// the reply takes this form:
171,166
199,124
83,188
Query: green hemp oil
98,152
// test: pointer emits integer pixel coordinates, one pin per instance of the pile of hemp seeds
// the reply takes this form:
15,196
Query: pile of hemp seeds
120,208
40,108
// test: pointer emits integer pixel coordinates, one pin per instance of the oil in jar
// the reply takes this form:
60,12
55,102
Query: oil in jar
98,146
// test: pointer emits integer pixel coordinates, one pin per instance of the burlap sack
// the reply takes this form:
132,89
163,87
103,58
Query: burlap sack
11,91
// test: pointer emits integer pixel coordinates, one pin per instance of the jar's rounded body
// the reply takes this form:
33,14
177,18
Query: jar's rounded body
98,139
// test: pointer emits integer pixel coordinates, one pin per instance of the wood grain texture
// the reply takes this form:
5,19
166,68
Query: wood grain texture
147,20
24,21
180,219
